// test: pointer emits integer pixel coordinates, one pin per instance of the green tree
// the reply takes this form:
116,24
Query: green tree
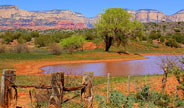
115,25
72,43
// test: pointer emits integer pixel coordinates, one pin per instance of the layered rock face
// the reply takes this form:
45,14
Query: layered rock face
13,18
149,16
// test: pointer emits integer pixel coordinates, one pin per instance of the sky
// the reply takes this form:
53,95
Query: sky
91,8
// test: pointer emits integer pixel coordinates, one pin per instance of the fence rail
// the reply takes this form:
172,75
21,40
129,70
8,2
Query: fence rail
9,94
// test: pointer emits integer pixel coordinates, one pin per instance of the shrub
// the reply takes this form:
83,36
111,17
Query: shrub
162,39
2,48
44,40
117,99
72,43
144,38
145,95
17,35
179,37
154,35
20,40
172,43
178,103
34,34
8,37
101,101
177,30
1,36
26,37
150,41
55,49
21,48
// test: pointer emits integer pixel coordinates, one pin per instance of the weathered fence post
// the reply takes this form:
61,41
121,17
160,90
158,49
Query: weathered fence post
6,94
128,84
87,91
164,80
108,78
57,84
176,91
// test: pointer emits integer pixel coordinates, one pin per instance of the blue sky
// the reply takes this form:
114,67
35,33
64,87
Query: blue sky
91,8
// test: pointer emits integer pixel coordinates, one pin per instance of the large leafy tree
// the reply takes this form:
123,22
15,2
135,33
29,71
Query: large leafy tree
115,25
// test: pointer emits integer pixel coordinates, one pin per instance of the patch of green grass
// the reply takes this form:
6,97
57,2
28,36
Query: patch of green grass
24,56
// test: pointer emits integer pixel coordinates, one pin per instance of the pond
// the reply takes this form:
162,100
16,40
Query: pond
150,66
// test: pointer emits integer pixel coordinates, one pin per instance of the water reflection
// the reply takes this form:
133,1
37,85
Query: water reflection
149,66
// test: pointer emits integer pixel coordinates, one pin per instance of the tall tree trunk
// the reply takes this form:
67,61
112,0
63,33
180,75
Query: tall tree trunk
108,43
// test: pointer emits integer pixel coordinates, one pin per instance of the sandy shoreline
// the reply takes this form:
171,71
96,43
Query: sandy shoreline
34,67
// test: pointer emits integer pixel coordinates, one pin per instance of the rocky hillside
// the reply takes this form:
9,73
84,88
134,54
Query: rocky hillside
13,18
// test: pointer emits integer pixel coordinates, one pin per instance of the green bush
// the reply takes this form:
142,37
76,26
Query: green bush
55,49
150,41
145,95
178,102
177,30
2,48
21,48
8,37
117,99
1,36
101,101
154,35
17,35
26,37
172,43
162,39
34,34
72,43
90,34
179,37
45,40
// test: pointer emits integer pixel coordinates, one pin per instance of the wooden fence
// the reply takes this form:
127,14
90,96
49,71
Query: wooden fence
9,94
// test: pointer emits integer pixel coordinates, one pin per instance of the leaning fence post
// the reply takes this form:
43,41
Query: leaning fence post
6,94
57,84
128,84
176,91
108,78
87,91
164,79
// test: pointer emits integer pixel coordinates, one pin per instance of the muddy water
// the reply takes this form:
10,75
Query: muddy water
149,66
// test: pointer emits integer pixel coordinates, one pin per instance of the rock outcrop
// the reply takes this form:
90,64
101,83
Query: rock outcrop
13,18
